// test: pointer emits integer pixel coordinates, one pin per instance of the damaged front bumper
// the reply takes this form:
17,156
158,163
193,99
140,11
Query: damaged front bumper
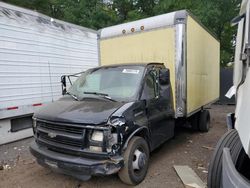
79,167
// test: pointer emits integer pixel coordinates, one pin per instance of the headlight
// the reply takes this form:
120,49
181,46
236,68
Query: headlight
95,148
97,136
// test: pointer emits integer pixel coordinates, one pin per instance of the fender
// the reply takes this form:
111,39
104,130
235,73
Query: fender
133,134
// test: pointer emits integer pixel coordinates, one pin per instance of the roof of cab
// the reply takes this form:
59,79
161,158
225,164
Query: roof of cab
132,64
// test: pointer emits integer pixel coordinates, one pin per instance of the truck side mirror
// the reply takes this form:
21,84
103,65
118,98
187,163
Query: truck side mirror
164,77
237,19
63,81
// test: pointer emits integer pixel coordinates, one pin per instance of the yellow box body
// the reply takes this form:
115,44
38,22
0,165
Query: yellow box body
142,48
203,66
159,45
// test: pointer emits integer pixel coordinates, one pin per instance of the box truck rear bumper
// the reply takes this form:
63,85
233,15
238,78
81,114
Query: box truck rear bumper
78,167
231,178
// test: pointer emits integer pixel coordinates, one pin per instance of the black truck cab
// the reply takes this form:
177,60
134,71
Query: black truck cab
108,121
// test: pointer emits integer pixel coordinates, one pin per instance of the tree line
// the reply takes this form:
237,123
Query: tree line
216,15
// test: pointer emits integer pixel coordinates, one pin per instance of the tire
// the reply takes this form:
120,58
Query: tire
194,120
230,140
204,121
130,174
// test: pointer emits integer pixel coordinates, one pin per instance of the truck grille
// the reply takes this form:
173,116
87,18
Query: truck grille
56,127
67,137
60,140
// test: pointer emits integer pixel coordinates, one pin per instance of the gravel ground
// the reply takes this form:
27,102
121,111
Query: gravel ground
187,148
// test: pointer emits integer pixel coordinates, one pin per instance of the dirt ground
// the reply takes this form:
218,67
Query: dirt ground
187,148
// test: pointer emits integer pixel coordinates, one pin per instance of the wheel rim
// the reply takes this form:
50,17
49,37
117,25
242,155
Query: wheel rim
139,160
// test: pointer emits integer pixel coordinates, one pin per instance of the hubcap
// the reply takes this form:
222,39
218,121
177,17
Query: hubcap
139,160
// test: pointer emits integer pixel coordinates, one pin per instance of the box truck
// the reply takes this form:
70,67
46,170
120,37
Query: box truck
35,50
156,73
230,163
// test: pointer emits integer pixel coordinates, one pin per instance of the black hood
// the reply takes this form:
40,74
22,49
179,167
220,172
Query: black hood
87,111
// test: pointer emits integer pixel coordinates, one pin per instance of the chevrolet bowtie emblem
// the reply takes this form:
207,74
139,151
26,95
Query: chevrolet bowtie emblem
52,135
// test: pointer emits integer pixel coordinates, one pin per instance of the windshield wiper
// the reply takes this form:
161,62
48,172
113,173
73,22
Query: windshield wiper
106,96
72,95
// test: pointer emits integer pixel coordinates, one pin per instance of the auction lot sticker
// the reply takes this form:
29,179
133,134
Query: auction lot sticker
130,71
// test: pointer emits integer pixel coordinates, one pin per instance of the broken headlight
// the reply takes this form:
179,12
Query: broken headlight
112,140
115,137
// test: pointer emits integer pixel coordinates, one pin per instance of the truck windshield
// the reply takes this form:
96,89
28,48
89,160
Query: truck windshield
116,83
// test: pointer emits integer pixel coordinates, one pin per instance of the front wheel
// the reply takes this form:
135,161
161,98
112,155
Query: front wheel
136,158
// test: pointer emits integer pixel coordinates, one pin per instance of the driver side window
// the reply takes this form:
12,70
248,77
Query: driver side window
149,88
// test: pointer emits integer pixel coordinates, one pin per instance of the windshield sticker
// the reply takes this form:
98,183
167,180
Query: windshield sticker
130,71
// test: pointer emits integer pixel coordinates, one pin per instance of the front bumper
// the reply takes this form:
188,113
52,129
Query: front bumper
231,178
81,168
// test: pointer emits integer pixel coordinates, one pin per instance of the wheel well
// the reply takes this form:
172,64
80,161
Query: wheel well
141,132
144,134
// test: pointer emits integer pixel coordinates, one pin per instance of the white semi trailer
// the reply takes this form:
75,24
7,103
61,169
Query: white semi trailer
35,50
230,164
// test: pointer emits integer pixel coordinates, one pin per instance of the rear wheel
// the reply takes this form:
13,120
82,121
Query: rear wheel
136,158
204,121
194,120
230,140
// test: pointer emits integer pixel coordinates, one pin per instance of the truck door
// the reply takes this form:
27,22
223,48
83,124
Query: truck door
160,123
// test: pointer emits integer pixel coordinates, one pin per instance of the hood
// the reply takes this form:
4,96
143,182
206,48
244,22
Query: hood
88,111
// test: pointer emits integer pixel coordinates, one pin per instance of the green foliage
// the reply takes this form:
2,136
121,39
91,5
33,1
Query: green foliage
94,14
214,14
